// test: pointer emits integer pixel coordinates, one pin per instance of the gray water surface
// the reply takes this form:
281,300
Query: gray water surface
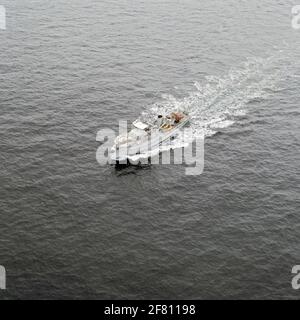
73,229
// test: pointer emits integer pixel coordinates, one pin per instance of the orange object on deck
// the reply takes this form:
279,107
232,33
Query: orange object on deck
177,116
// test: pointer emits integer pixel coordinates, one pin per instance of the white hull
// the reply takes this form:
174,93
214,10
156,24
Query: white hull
151,142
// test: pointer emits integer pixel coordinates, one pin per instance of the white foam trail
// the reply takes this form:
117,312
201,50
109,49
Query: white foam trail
217,102
223,124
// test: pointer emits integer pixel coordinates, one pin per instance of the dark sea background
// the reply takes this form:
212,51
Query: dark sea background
71,228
